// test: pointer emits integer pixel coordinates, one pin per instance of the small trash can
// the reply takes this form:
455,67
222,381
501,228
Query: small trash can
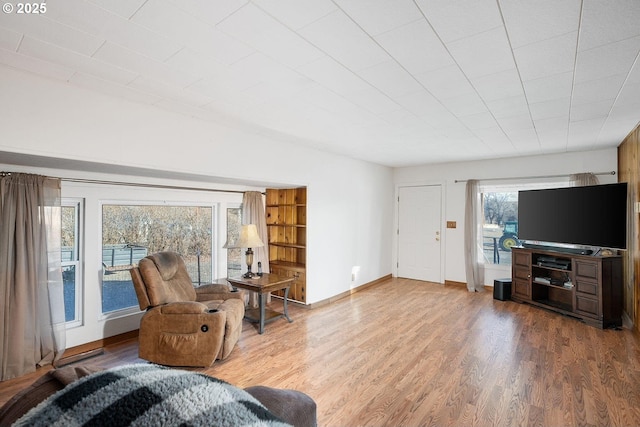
502,289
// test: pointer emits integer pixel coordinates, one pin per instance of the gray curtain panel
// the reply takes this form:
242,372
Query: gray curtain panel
583,179
474,256
253,213
32,324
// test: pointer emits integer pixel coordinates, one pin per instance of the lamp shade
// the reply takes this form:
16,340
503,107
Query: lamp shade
248,238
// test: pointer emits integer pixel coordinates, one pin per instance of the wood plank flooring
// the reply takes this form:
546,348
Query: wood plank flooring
411,353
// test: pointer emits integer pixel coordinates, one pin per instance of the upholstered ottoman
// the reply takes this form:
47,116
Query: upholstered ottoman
291,406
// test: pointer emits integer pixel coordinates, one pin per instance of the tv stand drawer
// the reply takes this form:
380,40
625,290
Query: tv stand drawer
588,306
586,269
587,287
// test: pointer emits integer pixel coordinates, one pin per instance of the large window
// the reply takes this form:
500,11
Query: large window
500,226
71,256
130,232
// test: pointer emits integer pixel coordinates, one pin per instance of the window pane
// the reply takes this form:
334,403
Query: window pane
69,286
68,239
234,256
129,233
500,228
69,257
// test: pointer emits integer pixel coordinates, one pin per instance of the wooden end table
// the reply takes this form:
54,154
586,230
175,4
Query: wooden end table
263,285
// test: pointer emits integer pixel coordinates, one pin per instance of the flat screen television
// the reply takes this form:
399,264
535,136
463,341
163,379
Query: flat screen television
590,216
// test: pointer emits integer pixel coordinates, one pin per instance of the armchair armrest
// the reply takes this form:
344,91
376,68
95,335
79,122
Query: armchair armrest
187,307
217,291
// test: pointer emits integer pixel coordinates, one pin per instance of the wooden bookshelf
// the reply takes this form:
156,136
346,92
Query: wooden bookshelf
286,211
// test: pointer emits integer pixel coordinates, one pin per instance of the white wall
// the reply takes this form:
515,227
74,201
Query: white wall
353,216
349,201
447,174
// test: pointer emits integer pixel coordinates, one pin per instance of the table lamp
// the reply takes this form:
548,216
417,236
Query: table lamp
248,239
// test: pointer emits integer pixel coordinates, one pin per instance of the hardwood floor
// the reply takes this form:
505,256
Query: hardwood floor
410,353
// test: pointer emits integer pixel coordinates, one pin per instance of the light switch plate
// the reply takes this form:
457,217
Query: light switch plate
451,224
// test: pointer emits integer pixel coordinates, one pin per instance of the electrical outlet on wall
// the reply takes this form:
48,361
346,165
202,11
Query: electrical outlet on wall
354,271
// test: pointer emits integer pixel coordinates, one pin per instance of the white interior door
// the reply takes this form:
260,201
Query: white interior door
419,232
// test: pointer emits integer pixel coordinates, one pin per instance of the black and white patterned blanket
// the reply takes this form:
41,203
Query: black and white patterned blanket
149,395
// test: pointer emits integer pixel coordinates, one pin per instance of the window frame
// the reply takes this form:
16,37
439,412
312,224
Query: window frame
229,207
135,309
78,204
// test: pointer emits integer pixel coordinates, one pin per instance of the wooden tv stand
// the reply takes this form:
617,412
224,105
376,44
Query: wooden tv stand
582,286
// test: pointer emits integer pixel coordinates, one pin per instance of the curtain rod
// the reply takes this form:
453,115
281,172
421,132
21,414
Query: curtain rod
532,177
161,186
131,184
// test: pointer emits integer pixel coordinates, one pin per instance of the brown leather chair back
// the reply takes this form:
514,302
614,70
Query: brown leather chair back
162,278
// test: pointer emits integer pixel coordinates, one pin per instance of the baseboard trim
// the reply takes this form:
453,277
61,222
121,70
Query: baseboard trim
464,285
90,349
350,292
453,283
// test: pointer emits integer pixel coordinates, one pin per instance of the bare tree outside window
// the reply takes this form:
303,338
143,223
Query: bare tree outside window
234,256
129,233
500,207
500,228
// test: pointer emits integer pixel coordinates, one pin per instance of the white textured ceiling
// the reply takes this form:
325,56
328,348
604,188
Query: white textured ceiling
395,82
